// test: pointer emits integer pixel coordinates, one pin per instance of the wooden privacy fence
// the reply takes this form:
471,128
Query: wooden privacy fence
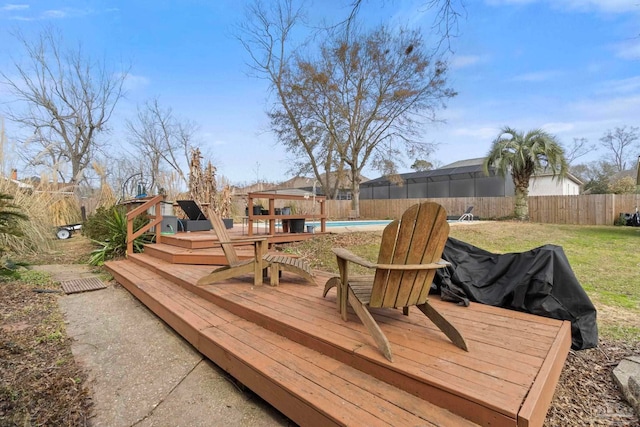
596,209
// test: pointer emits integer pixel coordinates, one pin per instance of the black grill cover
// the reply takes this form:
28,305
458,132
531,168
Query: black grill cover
539,281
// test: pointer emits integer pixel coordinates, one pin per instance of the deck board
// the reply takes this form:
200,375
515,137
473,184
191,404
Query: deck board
208,239
305,385
506,379
440,372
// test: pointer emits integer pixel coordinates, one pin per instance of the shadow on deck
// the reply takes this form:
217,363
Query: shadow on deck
290,346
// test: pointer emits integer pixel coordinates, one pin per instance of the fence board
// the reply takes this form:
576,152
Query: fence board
594,209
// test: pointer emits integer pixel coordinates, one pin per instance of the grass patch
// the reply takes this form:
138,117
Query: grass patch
604,259
620,332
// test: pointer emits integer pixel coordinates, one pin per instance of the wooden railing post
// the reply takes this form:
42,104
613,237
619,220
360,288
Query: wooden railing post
129,233
156,219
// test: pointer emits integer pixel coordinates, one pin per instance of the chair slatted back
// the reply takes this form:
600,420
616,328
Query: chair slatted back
223,237
418,238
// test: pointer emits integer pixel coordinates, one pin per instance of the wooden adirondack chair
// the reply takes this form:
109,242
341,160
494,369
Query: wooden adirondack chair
236,267
409,254
256,265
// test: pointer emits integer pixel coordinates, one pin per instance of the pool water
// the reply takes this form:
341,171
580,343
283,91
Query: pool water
349,223
354,223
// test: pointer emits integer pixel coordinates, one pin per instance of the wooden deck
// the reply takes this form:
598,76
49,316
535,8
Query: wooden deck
207,239
290,346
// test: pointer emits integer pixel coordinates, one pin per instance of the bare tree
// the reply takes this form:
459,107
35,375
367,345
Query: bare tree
580,147
65,100
163,140
361,101
445,22
620,143
265,36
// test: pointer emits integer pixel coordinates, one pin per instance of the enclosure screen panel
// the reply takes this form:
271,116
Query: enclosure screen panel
398,192
381,192
366,193
417,190
490,187
439,189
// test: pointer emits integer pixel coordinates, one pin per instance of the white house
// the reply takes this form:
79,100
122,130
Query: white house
545,184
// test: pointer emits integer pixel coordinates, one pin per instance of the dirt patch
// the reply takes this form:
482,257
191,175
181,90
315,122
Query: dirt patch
587,394
40,382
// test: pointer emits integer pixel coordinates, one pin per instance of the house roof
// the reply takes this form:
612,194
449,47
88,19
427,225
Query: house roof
286,191
461,167
303,183
431,174
461,163
19,184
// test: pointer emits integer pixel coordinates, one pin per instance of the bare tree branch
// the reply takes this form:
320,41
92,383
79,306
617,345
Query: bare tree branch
445,22
580,147
65,100
359,101
163,140
620,143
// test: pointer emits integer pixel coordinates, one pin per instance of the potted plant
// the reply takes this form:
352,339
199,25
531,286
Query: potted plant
296,225
258,207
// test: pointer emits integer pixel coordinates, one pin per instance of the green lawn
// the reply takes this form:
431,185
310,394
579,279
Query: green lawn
606,261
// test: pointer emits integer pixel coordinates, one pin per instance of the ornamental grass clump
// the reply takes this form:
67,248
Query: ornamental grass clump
43,211
108,229
11,219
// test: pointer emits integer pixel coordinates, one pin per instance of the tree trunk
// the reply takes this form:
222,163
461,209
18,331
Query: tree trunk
355,200
521,210
354,173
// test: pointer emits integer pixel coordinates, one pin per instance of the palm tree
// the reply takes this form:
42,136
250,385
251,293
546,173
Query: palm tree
10,215
524,154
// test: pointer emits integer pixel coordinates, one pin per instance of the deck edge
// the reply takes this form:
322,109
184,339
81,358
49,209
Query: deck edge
540,395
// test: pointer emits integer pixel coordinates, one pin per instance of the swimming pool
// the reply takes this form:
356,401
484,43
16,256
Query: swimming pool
349,223
361,223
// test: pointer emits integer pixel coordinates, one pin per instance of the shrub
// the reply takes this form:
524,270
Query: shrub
10,216
624,185
95,226
109,230
9,269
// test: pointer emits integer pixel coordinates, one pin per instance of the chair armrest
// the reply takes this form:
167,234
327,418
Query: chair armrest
350,256
408,267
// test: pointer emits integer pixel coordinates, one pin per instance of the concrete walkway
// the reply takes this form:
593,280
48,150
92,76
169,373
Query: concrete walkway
142,373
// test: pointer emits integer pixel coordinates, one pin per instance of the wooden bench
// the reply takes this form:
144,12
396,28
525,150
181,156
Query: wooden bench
278,263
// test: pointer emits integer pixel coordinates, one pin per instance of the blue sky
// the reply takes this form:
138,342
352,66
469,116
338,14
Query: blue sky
570,67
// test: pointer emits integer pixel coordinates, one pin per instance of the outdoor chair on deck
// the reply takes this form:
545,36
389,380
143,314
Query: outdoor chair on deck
255,265
467,215
410,252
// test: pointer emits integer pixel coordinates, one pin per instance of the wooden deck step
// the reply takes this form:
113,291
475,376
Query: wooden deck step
198,256
208,239
192,240
310,388
507,378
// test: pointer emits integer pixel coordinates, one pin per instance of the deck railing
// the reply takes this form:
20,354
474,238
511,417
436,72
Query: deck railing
156,218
